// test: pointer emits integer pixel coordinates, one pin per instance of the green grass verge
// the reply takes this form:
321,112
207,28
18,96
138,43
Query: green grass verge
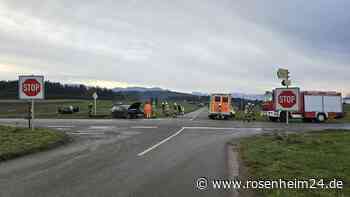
48,109
319,155
15,141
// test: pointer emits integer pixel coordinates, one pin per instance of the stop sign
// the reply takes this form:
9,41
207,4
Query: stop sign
287,99
31,87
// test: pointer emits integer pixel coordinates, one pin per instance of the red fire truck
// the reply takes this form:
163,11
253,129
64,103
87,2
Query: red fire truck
313,106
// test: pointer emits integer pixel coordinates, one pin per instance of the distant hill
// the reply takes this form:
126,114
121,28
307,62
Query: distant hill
253,97
55,90
137,89
200,94
259,97
143,93
152,93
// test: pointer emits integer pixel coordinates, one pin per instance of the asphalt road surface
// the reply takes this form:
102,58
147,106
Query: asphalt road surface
132,158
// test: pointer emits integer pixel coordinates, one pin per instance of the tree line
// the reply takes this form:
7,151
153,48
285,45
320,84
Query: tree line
56,90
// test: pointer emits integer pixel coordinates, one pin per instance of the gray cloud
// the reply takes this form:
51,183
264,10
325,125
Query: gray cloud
184,45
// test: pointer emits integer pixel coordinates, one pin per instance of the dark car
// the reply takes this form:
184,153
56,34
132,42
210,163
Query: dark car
127,111
68,109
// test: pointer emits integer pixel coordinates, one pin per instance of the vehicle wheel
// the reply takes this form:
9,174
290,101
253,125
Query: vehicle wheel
321,118
283,116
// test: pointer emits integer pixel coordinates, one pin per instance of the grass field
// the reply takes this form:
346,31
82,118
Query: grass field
48,108
319,155
15,142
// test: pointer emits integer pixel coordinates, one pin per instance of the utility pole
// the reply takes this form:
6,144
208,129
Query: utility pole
284,74
32,114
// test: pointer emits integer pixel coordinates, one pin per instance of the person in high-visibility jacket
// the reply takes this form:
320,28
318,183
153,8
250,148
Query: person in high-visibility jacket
90,109
163,107
167,109
175,110
147,110
249,112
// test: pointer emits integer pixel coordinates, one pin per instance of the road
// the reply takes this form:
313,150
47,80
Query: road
131,158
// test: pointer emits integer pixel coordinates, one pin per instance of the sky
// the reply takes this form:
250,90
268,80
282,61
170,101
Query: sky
183,45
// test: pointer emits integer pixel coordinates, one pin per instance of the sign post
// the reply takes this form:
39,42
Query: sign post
283,74
95,97
32,113
31,87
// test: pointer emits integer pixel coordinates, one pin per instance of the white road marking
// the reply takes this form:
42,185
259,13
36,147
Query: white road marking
86,133
59,126
61,129
222,128
144,127
101,127
160,143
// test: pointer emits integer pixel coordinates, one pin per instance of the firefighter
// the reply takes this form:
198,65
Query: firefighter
147,109
166,109
246,113
163,107
249,112
179,109
90,109
71,108
154,108
253,112
175,109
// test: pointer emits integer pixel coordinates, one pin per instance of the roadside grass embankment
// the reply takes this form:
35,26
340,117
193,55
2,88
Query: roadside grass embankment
15,142
313,155
49,109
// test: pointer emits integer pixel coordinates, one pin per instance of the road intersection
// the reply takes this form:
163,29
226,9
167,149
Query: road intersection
159,157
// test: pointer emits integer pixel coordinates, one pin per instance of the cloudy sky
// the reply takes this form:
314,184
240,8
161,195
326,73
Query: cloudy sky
185,45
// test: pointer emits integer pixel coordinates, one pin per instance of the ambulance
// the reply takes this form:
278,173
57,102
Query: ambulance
220,106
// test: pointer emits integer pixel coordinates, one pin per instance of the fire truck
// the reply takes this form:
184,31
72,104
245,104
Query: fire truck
315,106
220,106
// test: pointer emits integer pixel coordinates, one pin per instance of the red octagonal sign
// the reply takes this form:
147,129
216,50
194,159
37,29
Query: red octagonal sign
287,99
31,87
